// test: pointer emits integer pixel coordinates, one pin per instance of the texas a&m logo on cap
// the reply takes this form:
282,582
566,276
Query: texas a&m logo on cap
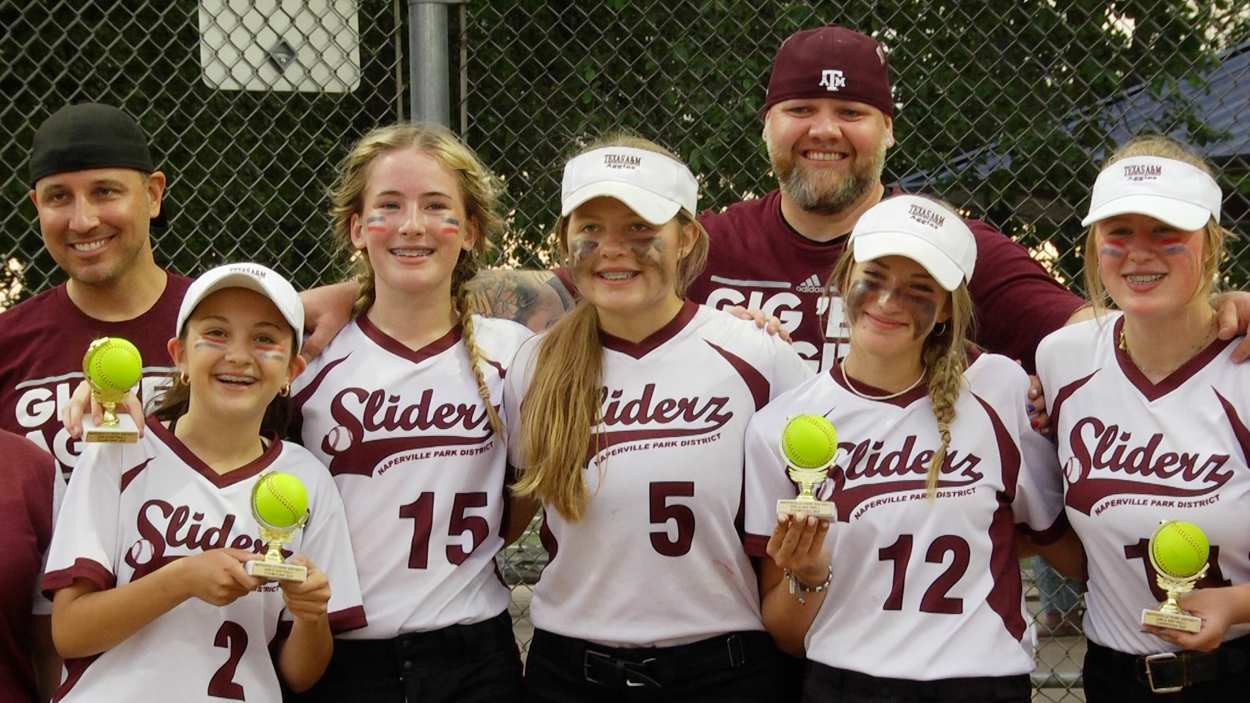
925,216
832,79
622,161
1142,172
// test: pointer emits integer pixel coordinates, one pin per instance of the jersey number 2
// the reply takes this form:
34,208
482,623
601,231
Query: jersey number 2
233,637
421,512
935,599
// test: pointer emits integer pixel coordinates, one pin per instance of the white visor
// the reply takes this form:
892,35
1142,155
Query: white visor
253,277
1168,190
921,230
652,185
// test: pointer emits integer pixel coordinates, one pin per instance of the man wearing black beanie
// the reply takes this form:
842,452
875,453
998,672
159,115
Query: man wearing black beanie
97,190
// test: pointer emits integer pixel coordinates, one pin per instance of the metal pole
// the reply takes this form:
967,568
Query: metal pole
428,65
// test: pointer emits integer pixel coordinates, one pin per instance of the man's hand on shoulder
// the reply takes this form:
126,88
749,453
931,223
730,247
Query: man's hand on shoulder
533,298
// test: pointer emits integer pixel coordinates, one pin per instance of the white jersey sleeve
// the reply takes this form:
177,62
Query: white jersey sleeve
326,541
520,372
1038,491
84,540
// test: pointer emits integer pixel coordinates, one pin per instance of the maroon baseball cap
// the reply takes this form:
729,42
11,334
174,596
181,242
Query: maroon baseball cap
831,62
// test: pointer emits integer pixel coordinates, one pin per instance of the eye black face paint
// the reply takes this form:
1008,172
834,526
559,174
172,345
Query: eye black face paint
921,309
581,250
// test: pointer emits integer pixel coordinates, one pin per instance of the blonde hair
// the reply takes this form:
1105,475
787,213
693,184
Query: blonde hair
944,355
565,397
479,190
1213,234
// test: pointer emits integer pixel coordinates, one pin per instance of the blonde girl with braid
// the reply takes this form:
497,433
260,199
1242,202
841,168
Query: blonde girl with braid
403,407
627,424
913,590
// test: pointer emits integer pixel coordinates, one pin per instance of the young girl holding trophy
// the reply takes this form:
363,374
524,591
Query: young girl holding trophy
148,559
628,417
913,590
1150,413
402,407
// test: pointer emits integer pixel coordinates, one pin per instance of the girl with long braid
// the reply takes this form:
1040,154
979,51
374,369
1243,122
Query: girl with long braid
402,406
913,590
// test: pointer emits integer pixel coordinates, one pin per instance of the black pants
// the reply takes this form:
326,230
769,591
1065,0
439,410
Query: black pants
743,667
460,663
826,684
1115,676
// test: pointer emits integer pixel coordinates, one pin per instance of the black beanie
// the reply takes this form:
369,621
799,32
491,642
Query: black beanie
85,136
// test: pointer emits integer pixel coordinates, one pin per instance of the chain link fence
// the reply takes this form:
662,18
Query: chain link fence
1004,108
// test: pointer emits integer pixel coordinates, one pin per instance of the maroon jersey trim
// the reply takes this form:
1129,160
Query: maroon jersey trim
400,349
756,383
1062,396
89,569
271,453
655,339
133,473
902,401
1174,380
1050,534
74,669
756,545
1006,589
347,619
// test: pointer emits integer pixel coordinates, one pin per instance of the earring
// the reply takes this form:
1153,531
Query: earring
182,376
940,329
286,390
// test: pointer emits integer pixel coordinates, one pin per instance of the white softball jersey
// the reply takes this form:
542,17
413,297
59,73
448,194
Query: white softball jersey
132,509
922,589
410,445
657,558
1135,453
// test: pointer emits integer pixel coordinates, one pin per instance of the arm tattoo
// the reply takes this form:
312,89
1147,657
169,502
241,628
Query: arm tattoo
535,299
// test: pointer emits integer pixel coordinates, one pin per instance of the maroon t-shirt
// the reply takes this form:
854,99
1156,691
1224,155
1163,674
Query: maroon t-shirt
44,340
758,261
25,531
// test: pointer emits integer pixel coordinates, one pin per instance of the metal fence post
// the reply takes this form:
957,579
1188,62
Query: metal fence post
429,68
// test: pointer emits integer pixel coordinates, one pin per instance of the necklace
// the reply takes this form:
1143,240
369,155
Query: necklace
851,386
1194,349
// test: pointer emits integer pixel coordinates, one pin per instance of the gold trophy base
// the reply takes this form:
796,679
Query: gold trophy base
123,431
822,509
278,571
1171,621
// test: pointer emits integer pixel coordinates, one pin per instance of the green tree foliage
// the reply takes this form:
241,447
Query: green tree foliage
1018,86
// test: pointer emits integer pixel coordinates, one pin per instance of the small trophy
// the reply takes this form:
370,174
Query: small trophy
280,505
112,367
1179,553
809,443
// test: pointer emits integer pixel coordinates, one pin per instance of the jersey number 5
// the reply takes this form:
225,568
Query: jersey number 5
421,512
935,599
662,511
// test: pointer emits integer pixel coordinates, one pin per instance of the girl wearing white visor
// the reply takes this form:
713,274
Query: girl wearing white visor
1151,414
148,556
913,592
630,416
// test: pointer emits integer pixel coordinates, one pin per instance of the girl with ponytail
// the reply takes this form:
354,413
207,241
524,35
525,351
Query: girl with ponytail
935,468
402,406
628,417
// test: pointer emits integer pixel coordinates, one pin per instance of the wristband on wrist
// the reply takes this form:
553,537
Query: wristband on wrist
799,589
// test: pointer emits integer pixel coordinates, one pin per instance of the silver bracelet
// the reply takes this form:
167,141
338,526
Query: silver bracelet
798,589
